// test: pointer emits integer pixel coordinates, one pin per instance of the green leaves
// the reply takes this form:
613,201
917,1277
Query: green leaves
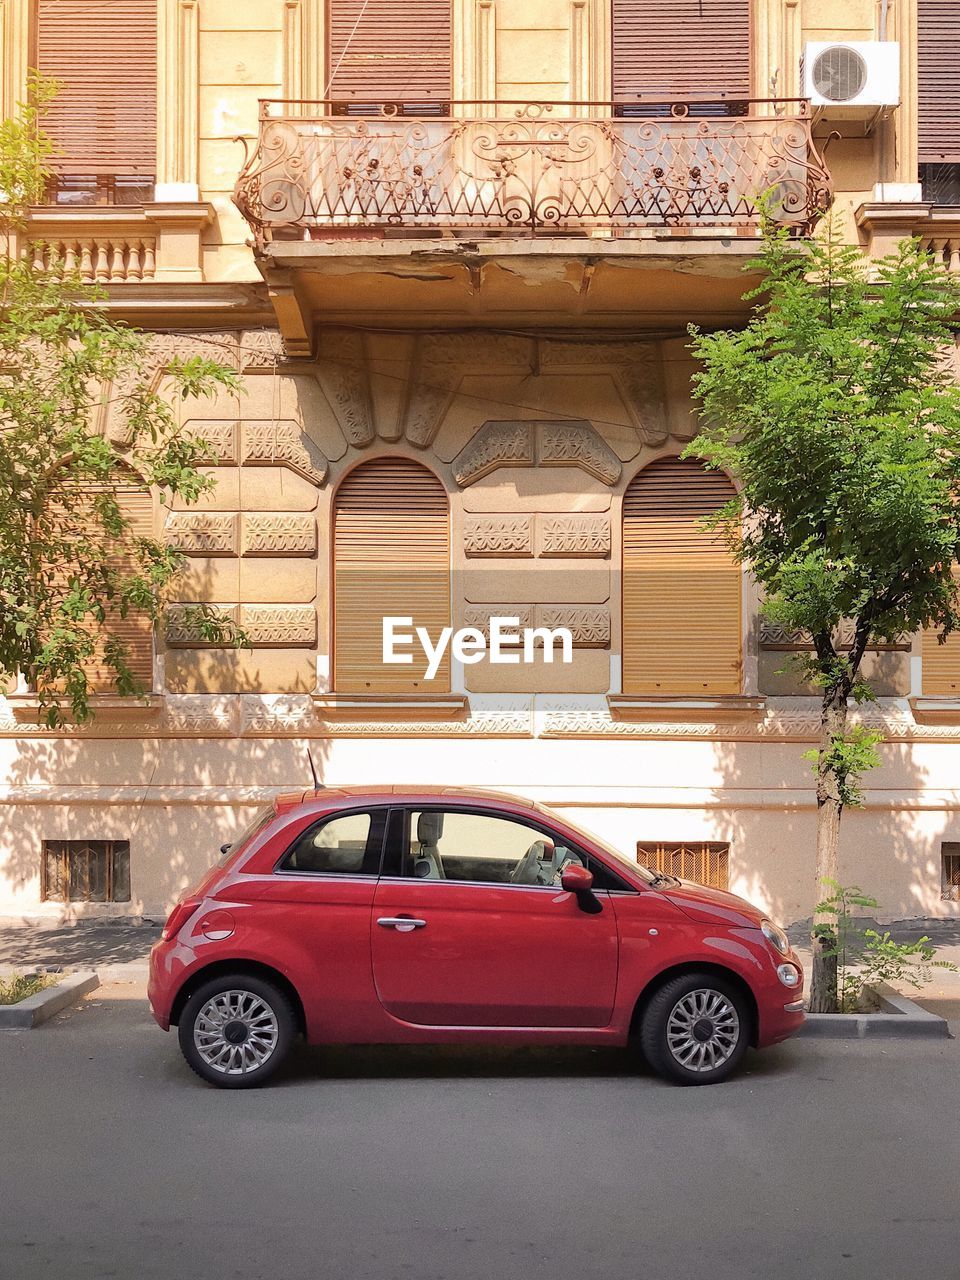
83,428
834,411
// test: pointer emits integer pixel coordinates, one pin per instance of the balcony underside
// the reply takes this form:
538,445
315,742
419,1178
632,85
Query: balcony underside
607,215
656,283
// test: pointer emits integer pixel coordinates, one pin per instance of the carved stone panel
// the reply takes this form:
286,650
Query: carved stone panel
479,615
202,533
181,633
578,536
283,444
272,534
222,437
562,443
496,444
576,444
286,626
497,535
588,624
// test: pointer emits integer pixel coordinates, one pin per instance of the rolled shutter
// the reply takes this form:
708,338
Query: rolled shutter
136,629
681,585
388,51
694,50
941,662
938,74
391,558
104,54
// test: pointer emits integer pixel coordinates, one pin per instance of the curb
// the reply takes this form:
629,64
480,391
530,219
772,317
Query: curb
899,1019
37,1009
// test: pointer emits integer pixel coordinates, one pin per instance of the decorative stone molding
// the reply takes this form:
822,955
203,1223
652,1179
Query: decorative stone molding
283,444
278,714
271,534
496,444
774,636
561,443
222,437
182,633
479,615
345,380
260,350
201,715
202,533
498,535
284,626
565,444
588,624
779,722
178,135
636,366
580,536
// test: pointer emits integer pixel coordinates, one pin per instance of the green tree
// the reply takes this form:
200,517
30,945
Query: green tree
81,413
835,412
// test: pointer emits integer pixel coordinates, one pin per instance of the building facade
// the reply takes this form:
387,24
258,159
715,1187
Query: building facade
452,247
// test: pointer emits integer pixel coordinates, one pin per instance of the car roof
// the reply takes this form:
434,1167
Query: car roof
325,798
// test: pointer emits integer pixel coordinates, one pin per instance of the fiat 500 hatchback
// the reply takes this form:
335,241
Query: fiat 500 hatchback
452,917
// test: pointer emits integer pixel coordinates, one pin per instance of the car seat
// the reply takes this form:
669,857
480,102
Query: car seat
427,864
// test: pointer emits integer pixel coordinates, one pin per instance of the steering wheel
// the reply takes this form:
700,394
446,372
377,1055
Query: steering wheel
527,869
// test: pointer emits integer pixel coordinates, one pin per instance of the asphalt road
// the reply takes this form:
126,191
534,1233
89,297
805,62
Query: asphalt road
820,1160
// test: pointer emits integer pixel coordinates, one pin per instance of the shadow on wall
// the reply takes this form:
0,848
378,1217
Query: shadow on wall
165,795
890,847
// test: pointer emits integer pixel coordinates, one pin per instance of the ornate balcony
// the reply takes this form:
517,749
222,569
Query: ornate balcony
530,169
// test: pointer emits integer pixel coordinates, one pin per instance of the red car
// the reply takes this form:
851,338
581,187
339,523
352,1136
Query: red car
399,916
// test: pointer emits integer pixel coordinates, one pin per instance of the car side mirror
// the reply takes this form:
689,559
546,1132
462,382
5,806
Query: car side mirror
578,880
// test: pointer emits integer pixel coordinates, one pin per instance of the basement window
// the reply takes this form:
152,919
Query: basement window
702,861
85,871
950,871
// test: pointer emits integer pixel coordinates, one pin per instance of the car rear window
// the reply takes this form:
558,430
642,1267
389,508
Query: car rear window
253,828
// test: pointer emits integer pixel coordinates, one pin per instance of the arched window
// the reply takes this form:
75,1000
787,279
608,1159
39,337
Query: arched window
681,585
391,557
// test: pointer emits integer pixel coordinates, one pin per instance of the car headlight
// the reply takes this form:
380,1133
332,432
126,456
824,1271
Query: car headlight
775,936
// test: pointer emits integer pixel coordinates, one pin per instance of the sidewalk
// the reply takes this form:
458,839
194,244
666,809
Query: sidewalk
118,952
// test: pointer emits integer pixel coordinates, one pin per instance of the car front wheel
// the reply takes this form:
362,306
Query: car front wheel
236,1029
695,1029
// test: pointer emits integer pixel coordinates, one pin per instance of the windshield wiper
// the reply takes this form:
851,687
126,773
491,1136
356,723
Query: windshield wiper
661,877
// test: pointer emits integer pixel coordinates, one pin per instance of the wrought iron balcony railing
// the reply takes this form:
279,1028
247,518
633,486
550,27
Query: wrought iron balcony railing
530,168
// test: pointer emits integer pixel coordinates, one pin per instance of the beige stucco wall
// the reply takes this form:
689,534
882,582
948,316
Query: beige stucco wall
178,778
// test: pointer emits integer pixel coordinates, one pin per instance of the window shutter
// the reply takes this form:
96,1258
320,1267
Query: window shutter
391,558
705,863
104,54
938,68
681,585
940,670
136,629
692,50
388,51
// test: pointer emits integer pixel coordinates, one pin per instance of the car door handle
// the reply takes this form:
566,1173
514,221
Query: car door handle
402,924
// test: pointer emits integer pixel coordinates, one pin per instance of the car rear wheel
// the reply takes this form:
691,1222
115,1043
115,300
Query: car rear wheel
236,1029
696,1029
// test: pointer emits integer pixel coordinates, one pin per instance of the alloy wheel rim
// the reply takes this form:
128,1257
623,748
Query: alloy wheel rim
236,1032
703,1030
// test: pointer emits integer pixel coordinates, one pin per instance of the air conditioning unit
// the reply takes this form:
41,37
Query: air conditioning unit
851,79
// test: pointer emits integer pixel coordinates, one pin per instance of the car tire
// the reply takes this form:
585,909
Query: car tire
236,1029
696,1029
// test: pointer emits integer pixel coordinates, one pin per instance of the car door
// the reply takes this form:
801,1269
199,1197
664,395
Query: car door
464,933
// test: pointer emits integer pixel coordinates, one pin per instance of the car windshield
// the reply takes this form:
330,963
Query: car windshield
253,827
619,858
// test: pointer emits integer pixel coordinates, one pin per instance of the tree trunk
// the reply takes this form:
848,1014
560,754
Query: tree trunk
823,983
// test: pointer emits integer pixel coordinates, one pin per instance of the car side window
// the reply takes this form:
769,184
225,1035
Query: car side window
481,848
346,844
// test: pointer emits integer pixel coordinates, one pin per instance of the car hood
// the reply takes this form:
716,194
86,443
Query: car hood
713,905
